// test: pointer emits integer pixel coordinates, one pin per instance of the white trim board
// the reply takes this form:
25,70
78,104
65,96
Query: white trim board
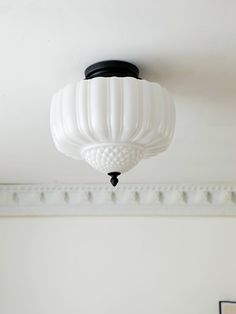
126,199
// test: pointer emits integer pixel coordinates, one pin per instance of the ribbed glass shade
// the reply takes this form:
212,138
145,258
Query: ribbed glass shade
112,122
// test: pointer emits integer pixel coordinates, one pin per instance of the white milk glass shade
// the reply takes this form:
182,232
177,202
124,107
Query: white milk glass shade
112,122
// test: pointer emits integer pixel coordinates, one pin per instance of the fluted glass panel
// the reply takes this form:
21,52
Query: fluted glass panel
136,115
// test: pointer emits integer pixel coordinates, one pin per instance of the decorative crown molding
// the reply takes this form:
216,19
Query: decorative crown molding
126,199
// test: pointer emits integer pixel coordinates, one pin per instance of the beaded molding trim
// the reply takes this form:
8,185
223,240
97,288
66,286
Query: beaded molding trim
126,199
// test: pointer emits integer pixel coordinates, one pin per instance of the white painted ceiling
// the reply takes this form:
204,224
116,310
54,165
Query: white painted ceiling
188,46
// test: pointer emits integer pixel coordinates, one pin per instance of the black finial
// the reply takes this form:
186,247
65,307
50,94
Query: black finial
114,176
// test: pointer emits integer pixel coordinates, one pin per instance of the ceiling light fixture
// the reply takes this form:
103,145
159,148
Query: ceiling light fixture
112,119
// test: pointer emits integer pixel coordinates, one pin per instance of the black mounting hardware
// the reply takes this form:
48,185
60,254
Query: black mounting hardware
114,176
111,68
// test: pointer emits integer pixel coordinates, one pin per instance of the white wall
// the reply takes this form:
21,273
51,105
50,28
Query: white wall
116,265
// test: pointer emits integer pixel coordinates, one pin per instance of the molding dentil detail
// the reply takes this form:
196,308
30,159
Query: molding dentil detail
126,199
